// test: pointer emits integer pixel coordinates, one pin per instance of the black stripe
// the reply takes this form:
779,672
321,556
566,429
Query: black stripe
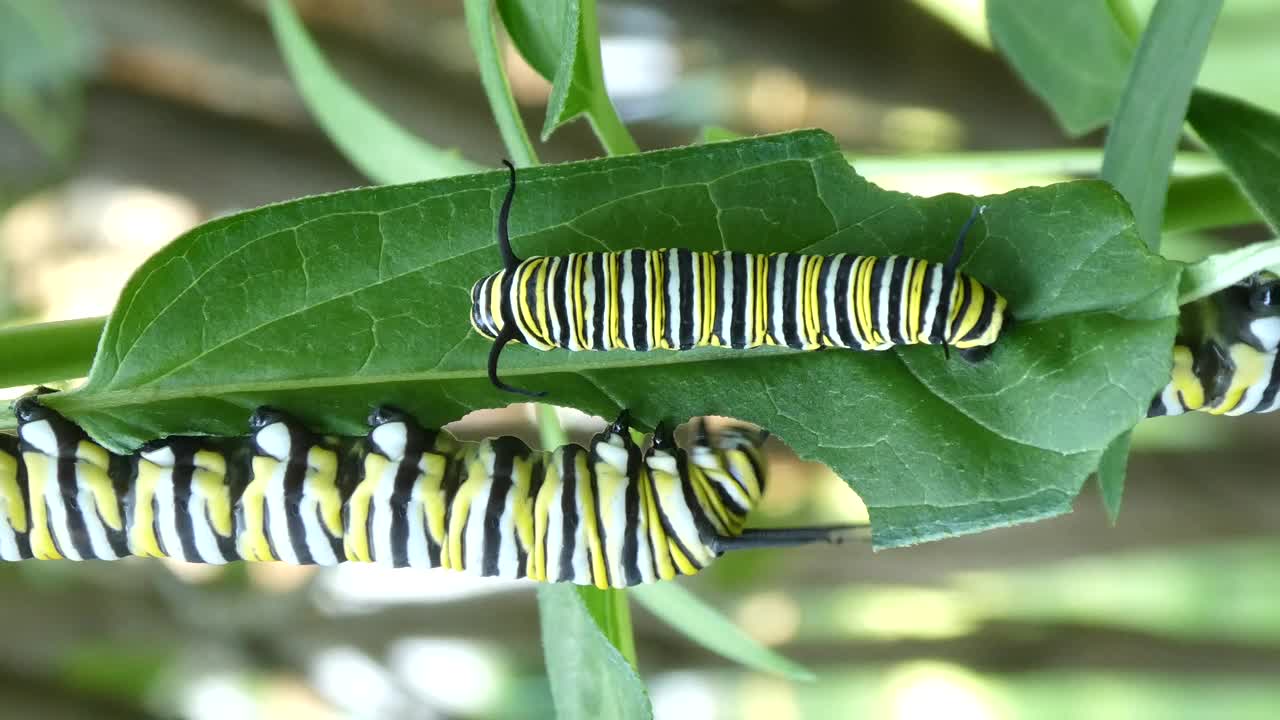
686,340
630,546
877,281
790,275
568,511
844,330
183,472
738,330
500,485
966,299
718,262
937,334
560,297
294,476
68,488
639,330
406,478
599,341
455,466
897,299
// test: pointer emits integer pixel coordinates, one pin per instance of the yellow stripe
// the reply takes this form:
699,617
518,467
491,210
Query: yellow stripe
709,309
522,504
40,472
544,329
435,464
657,535
590,524
322,483
210,479
15,509
252,538
682,562
613,270
142,532
551,483
461,506
92,473
355,538
579,299
495,299
917,289
1185,382
1250,370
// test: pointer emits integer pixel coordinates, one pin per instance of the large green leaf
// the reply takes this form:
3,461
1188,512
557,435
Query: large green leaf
1072,54
327,305
1247,139
384,151
589,678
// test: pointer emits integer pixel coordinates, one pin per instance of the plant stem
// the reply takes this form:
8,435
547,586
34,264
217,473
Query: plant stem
604,119
47,352
484,43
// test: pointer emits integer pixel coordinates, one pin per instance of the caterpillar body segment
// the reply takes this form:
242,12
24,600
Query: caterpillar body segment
679,299
1224,359
617,513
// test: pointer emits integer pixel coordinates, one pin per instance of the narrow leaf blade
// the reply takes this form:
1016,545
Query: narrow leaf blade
1247,139
548,34
589,678
1111,474
1148,124
1216,272
706,626
381,149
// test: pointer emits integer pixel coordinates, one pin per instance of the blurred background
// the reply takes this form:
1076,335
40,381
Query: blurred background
125,122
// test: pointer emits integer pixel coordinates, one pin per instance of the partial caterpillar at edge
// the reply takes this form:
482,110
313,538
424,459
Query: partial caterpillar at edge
615,514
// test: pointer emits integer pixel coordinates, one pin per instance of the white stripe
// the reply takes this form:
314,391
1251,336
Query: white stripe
832,271
508,558
695,263
93,522
166,520
317,538
555,523
551,292
626,309
935,291
673,298
8,536
474,531
882,319
726,281
382,512
56,513
419,556
206,538
278,523
777,264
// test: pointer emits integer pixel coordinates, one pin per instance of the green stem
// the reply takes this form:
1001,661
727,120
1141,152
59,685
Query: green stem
484,42
47,352
604,119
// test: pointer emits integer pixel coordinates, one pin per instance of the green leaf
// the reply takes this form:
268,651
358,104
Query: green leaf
1148,124
589,678
612,613
1111,473
1072,54
559,39
1226,269
548,34
1247,139
706,626
327,305
380,148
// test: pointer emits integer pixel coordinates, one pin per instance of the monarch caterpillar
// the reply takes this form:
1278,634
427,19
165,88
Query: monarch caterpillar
679,299
615,514
1224,360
